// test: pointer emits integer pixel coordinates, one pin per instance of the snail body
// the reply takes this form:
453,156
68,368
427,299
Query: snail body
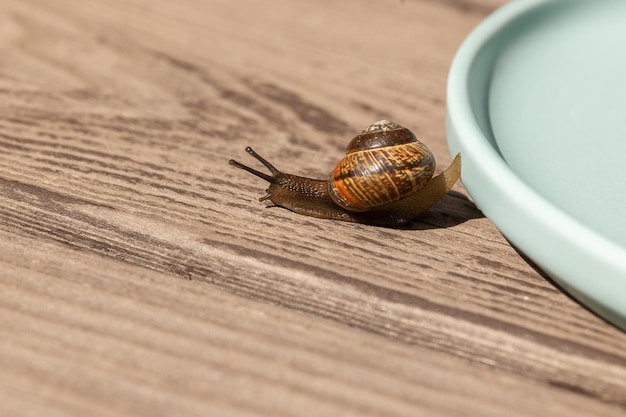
385,178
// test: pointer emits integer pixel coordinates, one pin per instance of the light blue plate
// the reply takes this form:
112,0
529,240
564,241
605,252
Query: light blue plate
537,108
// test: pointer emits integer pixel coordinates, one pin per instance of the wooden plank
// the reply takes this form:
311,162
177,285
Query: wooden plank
116,125
83,334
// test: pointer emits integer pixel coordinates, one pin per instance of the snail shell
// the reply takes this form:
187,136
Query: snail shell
383,164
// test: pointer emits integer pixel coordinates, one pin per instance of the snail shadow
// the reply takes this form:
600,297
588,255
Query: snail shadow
454,209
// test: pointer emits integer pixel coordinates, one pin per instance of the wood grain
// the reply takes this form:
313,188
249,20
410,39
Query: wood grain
141,276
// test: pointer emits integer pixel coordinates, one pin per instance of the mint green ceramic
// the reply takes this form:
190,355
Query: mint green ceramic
537,108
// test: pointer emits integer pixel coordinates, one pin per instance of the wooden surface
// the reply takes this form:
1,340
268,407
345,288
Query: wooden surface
141,276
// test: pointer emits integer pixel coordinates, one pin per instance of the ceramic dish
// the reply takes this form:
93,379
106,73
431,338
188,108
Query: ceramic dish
537,108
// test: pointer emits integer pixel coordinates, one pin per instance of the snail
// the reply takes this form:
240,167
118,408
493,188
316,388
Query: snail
385,178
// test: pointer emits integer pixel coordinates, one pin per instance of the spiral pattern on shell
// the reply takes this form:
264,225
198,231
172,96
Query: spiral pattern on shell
383,164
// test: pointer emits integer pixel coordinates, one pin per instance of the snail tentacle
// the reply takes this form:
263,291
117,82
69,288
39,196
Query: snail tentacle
272,168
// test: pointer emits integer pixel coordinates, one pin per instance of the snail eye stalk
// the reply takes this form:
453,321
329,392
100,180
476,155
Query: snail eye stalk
272,168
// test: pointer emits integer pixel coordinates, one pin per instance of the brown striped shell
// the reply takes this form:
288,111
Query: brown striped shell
383,164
